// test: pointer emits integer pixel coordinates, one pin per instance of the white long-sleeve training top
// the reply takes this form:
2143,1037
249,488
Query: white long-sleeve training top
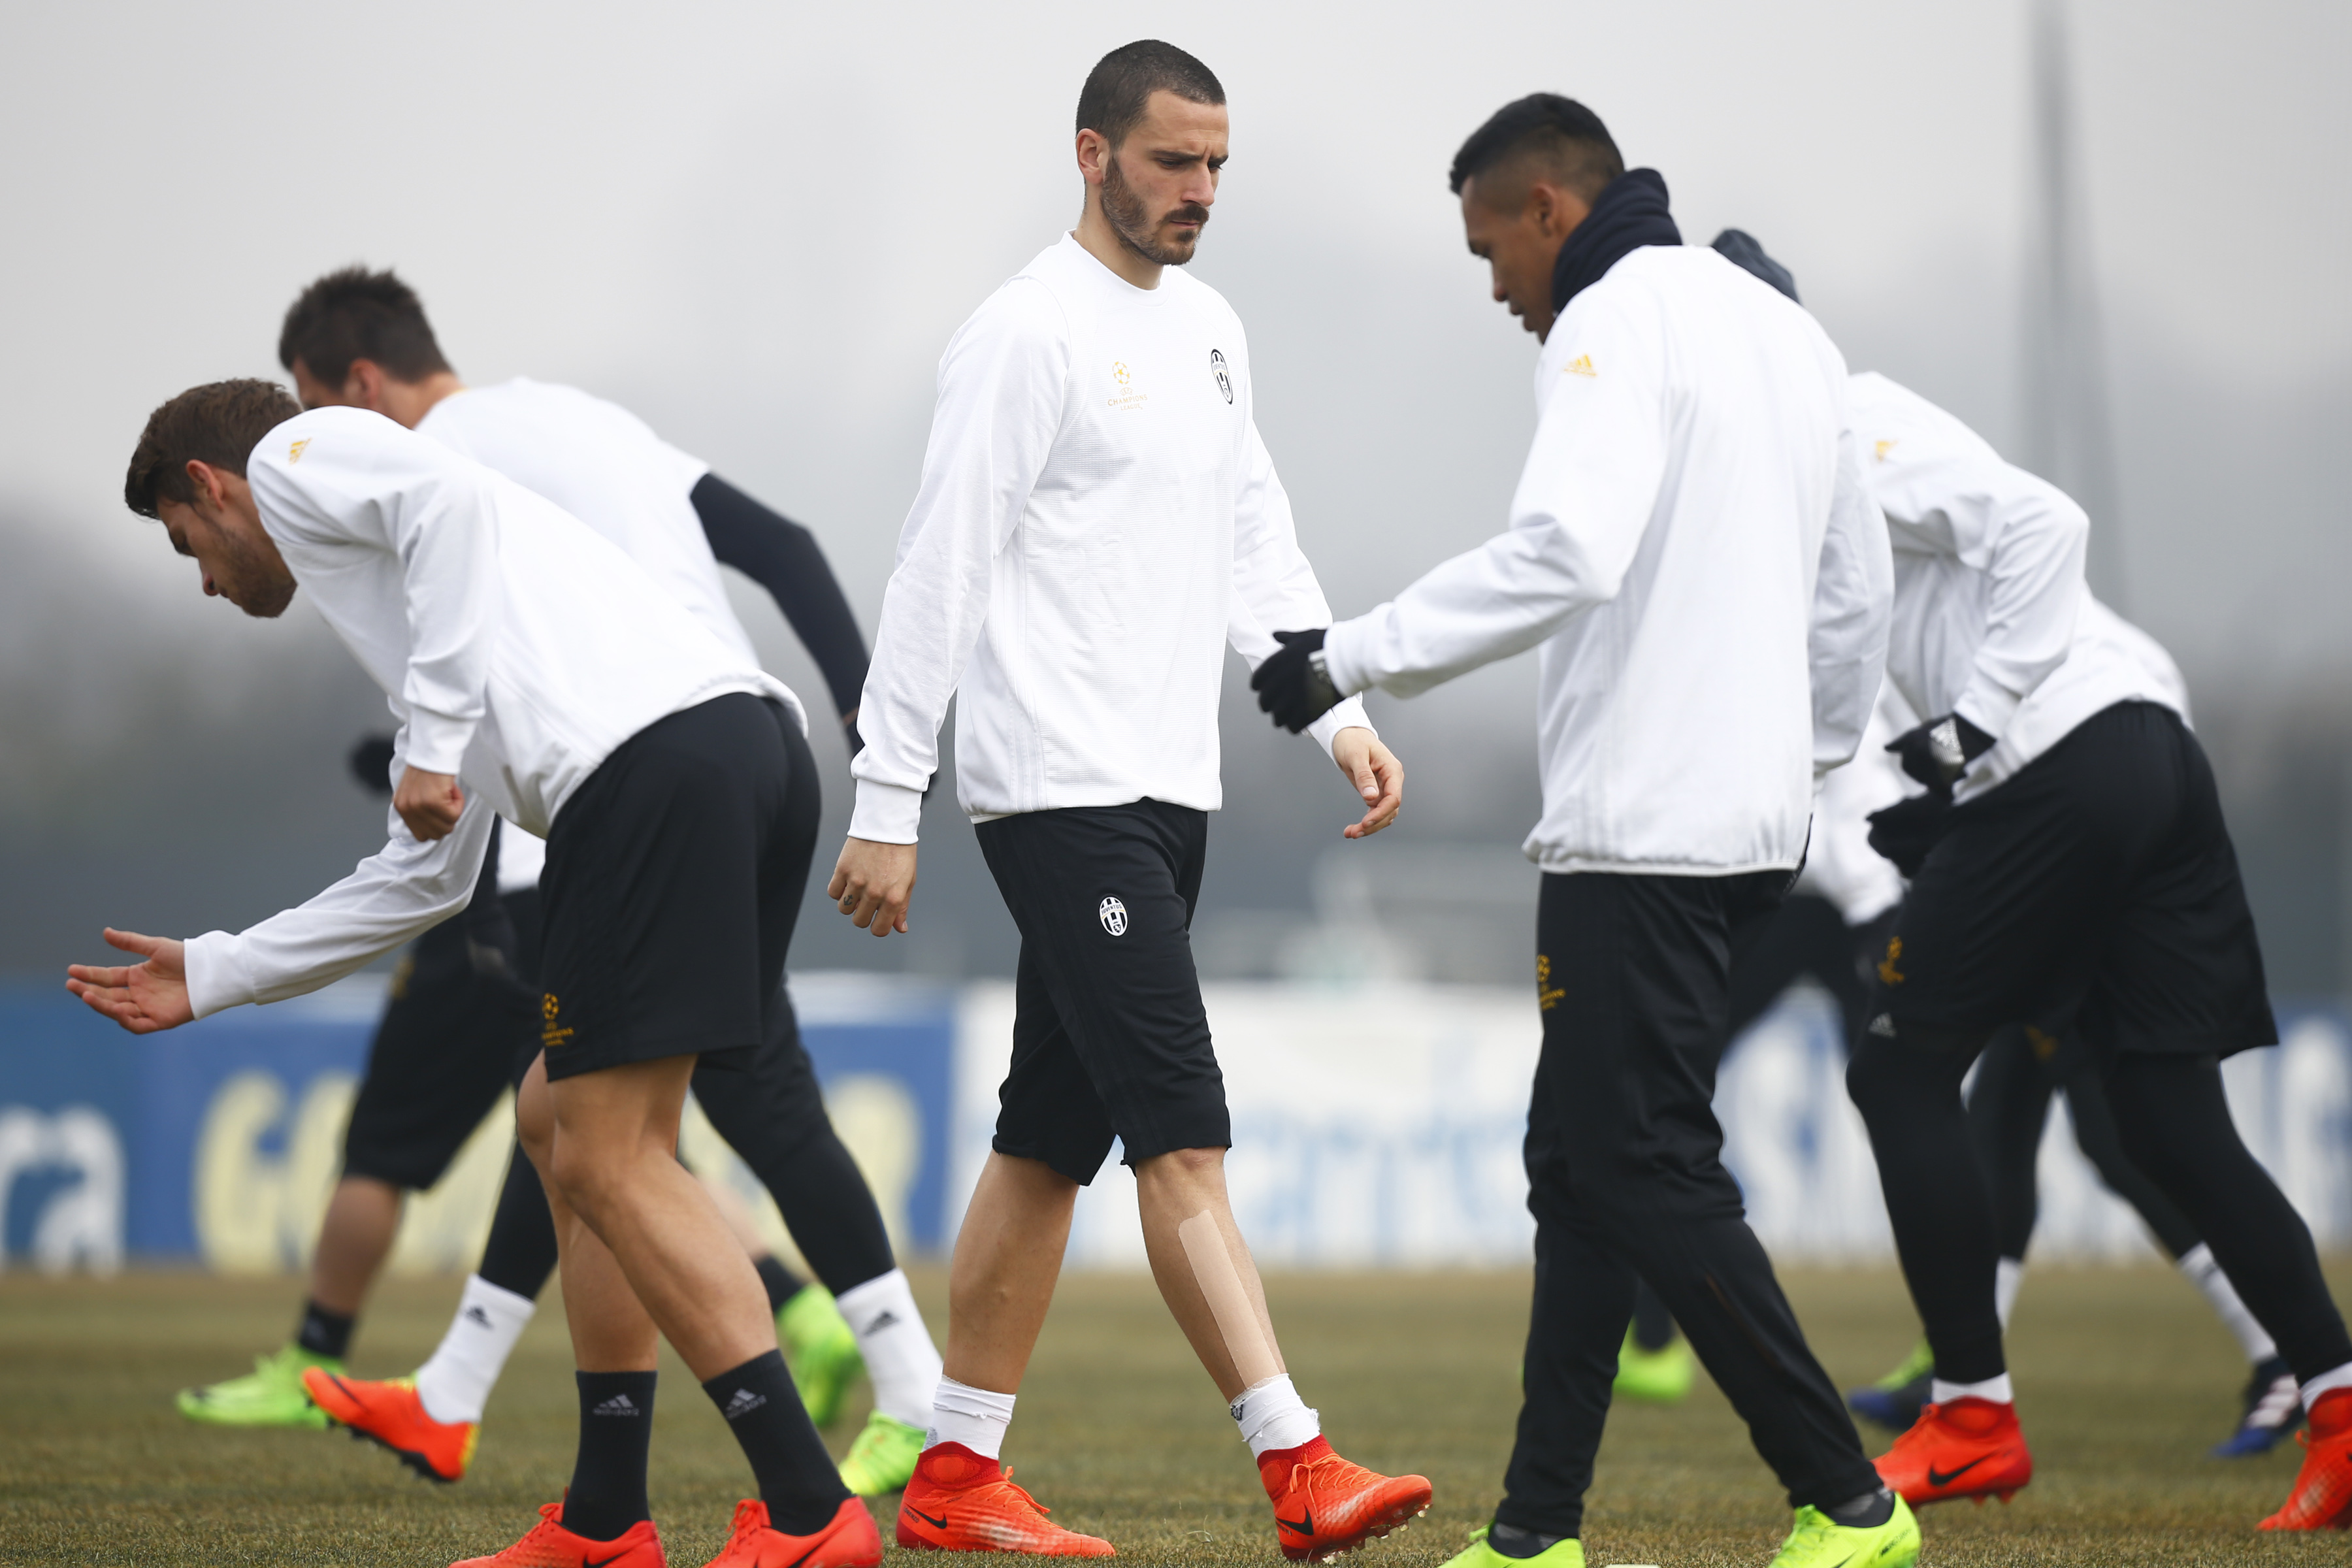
516,647
1692,547
1097,518
1992,618
607,467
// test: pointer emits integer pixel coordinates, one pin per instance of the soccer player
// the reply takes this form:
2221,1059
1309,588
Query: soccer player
360,339
541,675
1691,547
1097,518
2074,871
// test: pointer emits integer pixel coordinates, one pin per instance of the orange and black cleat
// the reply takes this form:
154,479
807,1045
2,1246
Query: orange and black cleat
1324,1506
959,1501
390,1415
549,1545
1963,1447
847,1541
2322,1498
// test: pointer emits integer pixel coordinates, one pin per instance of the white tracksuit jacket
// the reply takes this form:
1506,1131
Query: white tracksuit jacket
1692,548
1992,618
516,647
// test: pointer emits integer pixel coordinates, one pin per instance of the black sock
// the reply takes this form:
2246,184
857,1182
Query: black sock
519,1253
1867,1512
322,1332
782,1282
798,1479
1510,1541
608,1478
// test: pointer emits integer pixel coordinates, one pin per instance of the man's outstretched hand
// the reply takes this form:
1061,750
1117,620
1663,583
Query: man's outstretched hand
142,997
1292,683
429,803
1377,775
872,883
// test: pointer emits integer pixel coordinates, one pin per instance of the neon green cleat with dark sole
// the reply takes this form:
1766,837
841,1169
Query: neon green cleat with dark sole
820,1349
1820,1541
1568,1553
269,1395
883,1457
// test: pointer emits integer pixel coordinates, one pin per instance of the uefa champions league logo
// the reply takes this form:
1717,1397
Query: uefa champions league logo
1114,917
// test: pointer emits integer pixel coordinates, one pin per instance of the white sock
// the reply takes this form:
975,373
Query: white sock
973,1416
899,1356
1271,1416
2006,1276
2207,1276
455,1382
1993,1388
2340,1377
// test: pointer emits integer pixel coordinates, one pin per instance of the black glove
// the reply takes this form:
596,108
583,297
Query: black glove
1940,751
371,764
1907,830
1293,684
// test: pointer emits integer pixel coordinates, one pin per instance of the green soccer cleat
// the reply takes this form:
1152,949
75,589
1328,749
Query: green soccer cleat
820,1349
270,1395
1568,1553
1655,1377
1820,1541
883,1457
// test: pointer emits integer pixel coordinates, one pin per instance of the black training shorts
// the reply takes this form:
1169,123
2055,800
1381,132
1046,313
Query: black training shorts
1109,1036
674,875
450,1042
2098,885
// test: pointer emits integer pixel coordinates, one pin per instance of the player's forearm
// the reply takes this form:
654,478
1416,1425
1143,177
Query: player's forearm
784,558
391,897
1500,599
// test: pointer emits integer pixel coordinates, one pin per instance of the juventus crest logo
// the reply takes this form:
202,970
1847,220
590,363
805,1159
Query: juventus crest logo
1217,369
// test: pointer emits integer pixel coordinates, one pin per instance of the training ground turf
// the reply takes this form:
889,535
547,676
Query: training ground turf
2126,1380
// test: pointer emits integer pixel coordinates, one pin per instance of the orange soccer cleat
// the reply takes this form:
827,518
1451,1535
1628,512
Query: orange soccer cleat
549,1545
848,1541
1323,1505
2322,1499
959,1501
1965,1447
390,1415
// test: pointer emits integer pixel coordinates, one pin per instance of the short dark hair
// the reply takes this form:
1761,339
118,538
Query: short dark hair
219,423
1120,85
356,314
1569,139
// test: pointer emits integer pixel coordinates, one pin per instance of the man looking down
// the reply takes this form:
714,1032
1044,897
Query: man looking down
539,675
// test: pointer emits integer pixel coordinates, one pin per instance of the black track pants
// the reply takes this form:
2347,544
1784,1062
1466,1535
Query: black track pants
1634,983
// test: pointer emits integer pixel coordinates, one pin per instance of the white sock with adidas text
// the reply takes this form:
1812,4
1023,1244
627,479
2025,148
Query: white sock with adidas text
454,1382
976,1417
899,1356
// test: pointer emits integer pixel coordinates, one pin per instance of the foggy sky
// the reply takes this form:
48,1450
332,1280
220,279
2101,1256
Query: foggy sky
756,226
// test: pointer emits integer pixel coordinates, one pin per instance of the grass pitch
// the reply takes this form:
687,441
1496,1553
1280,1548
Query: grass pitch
2125,1381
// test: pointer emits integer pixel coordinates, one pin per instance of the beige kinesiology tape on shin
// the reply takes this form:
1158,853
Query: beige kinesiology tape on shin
1221,1282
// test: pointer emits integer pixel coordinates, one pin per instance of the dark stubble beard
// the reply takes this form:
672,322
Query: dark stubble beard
1133,224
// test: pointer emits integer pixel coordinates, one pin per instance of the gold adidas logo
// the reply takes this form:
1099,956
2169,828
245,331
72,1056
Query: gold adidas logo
294,453
1580,365
1882,448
